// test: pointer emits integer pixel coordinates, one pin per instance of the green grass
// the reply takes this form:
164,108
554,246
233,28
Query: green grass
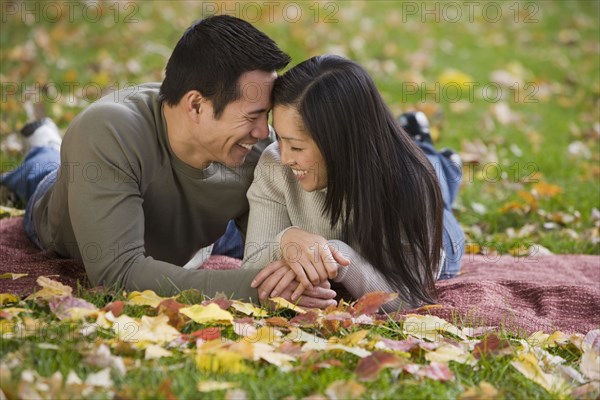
554,45
49,346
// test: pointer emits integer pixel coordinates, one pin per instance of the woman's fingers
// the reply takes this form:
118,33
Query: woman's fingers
266,272
338,256
304,274
266,288
284,282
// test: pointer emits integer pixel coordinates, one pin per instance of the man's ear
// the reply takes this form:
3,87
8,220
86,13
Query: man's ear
193,102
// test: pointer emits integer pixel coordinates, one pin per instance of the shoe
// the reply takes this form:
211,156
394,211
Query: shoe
42,133
416,125
453,156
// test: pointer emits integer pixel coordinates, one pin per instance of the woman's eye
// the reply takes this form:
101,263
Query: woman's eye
296,149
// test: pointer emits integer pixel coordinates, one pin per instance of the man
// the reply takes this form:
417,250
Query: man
150,174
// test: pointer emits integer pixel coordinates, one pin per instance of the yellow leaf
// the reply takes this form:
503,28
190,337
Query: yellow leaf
70,75
155,351
145,331
211,386
205,314
248,309
280,302
12,275
544,340
428,327
472,248
145,298
50,289
6,327
354,338
527,364
8,298
455,77
448,352
223,361
13,311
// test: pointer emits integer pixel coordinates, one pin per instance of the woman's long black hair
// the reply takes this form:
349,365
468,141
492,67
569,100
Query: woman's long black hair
380,184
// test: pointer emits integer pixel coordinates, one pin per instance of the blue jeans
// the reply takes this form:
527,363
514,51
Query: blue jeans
31,180
453,238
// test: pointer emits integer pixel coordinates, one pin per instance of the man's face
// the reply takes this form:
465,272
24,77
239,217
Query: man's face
242,124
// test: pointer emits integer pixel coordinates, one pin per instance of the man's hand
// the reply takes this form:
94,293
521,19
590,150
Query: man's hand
311,257
278,279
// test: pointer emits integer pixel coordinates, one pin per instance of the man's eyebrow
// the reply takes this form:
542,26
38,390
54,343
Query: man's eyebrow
260,111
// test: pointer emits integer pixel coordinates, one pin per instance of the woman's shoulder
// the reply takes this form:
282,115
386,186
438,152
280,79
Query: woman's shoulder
271,154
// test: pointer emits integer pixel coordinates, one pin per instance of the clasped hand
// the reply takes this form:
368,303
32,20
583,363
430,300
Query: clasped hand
308,262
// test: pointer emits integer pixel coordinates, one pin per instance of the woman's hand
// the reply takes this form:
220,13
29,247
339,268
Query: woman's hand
311,257
278,279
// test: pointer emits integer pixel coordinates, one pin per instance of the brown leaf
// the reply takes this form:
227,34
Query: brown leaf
370,302
222,302
491,344
344,390
308,319
277,321
369,367
436,371
170,308
205,334
483,391
116,307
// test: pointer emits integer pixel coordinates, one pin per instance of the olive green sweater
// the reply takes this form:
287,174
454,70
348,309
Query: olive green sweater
131,210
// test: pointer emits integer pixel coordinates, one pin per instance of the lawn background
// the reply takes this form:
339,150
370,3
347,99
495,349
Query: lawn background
436,56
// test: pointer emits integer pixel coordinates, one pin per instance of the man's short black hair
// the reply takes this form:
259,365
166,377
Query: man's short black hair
211,56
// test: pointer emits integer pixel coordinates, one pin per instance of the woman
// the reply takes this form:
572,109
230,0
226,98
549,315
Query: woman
345,193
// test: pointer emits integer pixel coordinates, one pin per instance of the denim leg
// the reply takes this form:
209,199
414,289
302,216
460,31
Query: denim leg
38,163
453,238
230,244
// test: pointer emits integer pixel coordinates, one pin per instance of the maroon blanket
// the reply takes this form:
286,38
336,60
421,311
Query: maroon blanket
522,295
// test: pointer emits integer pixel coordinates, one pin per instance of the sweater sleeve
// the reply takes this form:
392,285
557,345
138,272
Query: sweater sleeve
268,212
107,217
360,277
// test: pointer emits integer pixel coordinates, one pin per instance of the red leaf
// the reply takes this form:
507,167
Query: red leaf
308,319
369,367
491,344
205,334
220,301
370,302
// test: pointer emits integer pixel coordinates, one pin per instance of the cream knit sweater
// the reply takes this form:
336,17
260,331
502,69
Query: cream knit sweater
277,203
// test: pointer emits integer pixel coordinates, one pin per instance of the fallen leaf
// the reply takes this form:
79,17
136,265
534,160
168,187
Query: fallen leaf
449,352
435,371
171,308
280,302
72,308
483,391
211,386
371,302
207,314
116,307
145,298
50,289
341,390
491,344
6,298
429,327
12,275
248,309
100,378
527,364
145,331
369,367
154,351
542,189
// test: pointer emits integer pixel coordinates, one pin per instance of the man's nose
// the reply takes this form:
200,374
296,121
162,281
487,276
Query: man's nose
261,130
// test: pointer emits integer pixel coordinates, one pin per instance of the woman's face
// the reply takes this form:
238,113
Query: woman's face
298,150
